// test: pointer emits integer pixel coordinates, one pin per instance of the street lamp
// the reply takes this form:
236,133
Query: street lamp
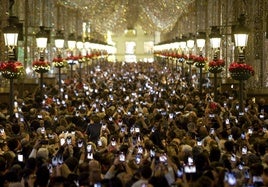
182,47
11,38
216,66
71,46
59,44
87,47
41,42
241,33
190,45
80,46
200,43
11,34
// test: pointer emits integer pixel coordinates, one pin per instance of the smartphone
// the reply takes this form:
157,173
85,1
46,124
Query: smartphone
43,130
2,131
230,178
152,153
189,169
90,156
122,157
211,115
140,150
80,143
69,140
20,157
113,143
233,158
89,148
137,130
123,129
62,141
138,159
212,131
190,160
99,143
244,150
97,184
163,158
246,174
50,168
179,172
261,116
103,127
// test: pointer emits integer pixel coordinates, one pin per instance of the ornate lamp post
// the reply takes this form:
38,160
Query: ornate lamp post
80,46
190,45
11,69
215,66
200,42
240,70
71,46
41,66
87,47
182,47
59,62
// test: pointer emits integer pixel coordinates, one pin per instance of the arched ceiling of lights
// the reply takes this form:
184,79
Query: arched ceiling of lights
118,15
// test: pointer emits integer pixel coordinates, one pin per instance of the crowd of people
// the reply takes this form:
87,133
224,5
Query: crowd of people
132,125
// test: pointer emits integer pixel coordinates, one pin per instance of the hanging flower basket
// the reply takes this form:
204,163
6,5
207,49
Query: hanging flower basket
59,62
190,60
241,71
216,66
200,61
181,58
72,60
41,66
11,69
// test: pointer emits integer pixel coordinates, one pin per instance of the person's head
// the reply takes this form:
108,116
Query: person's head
146,171
28,177
57,181
42,176
229,146
13,144
215,154
203,181
94,171
72,163
265,176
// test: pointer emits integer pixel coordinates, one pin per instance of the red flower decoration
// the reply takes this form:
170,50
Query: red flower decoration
216,63
57,59
11,69
41,66
11,66
41,63
241,67
200,59
191,57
